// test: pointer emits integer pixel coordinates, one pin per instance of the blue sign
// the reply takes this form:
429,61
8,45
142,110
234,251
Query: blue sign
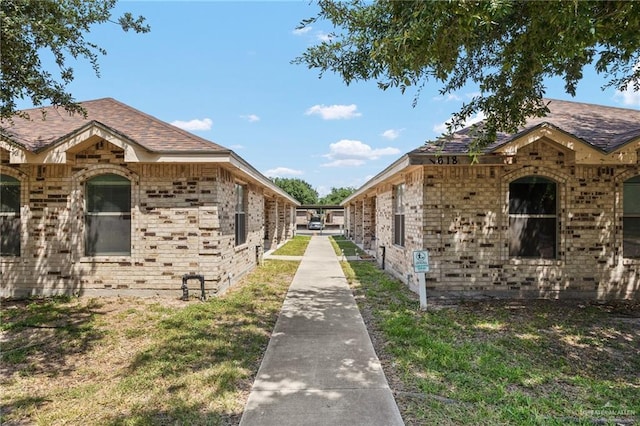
421,261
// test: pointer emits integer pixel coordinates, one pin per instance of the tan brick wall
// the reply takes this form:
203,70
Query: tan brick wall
182,222
460,214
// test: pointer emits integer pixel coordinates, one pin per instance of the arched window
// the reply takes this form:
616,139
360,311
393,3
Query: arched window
9,216
631,218
532,218
108,216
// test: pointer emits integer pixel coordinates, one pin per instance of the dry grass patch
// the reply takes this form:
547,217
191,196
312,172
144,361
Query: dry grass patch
138,361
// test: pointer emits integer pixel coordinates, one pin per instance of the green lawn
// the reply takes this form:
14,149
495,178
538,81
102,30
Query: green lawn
294,247
500,362
342,245
133,361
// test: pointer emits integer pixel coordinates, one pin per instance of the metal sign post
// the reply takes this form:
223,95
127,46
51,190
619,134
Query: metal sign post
421,267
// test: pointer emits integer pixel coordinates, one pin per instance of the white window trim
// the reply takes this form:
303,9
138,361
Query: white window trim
78,196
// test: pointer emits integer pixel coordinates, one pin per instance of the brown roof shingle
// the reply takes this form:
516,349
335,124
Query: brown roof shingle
35,134
602,127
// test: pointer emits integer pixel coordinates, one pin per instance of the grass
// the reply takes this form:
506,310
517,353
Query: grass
503,362
294,247
341,245
128,361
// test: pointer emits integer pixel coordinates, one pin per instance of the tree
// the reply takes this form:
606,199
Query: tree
507,47
29,27
336,196
298,189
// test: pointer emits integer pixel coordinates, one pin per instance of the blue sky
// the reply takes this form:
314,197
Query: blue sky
223,71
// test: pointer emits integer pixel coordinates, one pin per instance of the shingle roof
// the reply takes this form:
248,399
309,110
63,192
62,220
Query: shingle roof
151,133
603,127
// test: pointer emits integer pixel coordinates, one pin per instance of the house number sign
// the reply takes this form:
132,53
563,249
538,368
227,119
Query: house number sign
444,159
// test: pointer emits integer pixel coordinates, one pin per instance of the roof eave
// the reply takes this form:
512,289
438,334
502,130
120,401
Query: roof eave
249,171
391,170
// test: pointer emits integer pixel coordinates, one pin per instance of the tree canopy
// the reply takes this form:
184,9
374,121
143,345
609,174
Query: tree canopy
505,47
336,196
30,27
298,189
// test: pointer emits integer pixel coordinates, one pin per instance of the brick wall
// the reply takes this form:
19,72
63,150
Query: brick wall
182,222
460,214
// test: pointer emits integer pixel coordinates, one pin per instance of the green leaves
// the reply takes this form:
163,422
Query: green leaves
336,196
299,189
30,27
506,47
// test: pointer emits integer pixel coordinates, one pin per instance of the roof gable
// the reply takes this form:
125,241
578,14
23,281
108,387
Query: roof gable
601,127
37,134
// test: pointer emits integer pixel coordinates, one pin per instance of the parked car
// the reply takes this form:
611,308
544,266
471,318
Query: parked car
315,224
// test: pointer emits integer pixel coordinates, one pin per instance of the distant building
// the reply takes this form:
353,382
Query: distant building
552,211
331,216
122,203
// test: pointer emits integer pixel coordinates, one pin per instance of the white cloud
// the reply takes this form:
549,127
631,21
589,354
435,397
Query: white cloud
442,127
323,191
302,31
454,97
237,147
334,112
347,148
318,35
629,97
392,134
352,153
282,171
251,118
344,163
322,36
448,98
195,124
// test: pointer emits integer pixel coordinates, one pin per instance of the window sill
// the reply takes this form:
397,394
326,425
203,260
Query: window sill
241,247
630,261
12,259
105,259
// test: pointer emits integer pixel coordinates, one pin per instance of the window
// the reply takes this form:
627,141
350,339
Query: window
532,218
108,216
9,216
631,218
241,214
398,215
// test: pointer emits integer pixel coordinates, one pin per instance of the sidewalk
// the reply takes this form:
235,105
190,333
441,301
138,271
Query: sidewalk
320,367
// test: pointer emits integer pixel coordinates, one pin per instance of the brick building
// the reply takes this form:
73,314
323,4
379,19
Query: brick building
552,211
122,203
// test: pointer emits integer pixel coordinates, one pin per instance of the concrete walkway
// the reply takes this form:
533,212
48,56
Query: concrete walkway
320,367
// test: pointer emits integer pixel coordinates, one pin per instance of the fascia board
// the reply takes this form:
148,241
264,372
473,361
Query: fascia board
245,168
393,169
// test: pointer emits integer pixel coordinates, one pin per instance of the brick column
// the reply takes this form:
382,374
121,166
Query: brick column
281,217
369,223
270,223
352,221
358,231
289,221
